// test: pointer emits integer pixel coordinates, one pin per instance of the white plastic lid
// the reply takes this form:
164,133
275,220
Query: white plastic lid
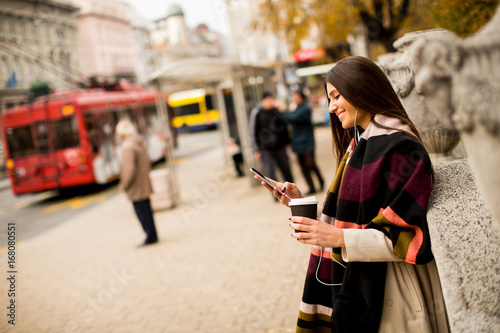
303,201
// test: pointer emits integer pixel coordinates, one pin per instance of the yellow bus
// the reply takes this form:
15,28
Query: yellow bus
193,110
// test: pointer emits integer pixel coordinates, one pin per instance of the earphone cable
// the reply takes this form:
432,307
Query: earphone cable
319,264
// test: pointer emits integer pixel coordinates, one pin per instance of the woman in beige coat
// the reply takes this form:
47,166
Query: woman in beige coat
371,267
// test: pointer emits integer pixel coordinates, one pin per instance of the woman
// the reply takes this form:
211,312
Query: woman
303,138
371,266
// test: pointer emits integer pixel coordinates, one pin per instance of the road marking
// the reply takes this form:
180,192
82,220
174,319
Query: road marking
2,211
59,206
179,160
22,204
77,202
45,195
88,200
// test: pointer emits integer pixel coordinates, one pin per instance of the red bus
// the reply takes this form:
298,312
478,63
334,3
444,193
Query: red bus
68,139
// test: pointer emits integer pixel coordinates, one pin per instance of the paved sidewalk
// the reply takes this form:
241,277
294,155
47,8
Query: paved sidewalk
4,183
225,263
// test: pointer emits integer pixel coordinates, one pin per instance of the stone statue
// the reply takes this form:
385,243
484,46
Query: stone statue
439,137
460,80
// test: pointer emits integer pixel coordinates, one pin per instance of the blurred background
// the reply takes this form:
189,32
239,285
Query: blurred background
55,47
63,46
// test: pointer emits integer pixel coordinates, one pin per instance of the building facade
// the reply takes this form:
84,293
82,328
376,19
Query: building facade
172,39
170,36
106,39
38,41
143,51
254,47
206,42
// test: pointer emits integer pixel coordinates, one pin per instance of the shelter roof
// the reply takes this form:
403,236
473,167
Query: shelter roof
199,70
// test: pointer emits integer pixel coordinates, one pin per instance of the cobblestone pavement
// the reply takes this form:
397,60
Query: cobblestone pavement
225,262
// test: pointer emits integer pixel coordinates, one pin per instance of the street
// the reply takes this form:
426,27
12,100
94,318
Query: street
36,213
225,261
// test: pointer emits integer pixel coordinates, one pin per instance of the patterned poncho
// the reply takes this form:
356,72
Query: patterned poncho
383,183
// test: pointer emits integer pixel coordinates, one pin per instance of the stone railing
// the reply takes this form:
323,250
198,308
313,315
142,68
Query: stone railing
466,249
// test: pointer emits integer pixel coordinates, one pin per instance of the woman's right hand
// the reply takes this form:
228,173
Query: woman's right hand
289,188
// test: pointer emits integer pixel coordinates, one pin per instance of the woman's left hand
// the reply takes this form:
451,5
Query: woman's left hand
317,232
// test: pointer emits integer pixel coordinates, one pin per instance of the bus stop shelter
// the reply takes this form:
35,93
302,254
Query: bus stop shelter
247,84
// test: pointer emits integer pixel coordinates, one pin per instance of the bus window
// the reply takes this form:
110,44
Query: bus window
208,102
65,133
20,141
114,117
188,109
93,132
41,137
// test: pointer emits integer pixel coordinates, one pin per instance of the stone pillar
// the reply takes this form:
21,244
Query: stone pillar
460,80
439,138
465,247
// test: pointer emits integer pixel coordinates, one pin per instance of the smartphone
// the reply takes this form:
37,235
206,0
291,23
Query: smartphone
264,178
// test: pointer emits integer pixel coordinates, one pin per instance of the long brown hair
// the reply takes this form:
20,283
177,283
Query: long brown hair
364,85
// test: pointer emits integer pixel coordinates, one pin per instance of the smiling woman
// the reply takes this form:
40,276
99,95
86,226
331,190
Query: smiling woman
347,114
371,267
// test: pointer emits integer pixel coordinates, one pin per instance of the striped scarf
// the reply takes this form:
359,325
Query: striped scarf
383,183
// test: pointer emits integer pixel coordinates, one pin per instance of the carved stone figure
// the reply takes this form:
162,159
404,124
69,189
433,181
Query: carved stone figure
439,137
460,80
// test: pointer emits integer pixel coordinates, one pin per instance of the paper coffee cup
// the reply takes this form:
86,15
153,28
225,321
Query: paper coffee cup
306,207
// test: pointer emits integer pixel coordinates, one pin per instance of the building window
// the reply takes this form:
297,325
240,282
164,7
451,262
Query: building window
16,64
22,24
5,67
64,58
28,70
38,69
2,24
60,34
32,29
12,29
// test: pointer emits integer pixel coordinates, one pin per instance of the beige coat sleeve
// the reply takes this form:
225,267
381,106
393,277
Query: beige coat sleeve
127,172
369,245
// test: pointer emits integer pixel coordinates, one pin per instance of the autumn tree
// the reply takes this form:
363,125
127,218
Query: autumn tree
332,20
463,17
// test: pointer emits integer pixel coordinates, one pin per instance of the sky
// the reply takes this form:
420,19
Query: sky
211,12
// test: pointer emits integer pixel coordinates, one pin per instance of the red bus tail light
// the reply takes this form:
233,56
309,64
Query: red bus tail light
9,164
83,164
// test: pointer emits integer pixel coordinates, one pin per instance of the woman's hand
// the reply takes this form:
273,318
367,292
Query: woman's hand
289,188
317,232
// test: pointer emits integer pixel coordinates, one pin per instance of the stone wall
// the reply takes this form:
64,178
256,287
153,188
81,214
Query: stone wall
466,249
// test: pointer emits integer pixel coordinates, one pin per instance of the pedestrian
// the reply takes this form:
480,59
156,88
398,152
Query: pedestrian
371,267
299,114
234,149
134,177
269,138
